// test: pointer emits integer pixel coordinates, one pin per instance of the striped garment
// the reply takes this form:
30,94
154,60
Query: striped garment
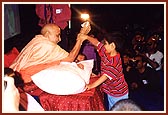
112,67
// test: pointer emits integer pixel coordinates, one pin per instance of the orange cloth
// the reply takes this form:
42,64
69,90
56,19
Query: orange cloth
38,51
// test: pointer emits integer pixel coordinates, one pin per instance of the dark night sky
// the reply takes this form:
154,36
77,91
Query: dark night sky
108,16
105,16
114,16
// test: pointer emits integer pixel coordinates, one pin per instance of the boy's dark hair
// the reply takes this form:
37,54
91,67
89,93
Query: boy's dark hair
126,105
117,38
83,55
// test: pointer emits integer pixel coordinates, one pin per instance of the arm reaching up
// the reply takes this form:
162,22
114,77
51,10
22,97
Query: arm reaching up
74,52
89,38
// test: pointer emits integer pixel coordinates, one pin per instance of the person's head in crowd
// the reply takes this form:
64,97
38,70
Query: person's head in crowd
126,105
80,57
126,56
152,44
140,62
11,93
18,81
52,32
137,62
138,42
138,37
114,41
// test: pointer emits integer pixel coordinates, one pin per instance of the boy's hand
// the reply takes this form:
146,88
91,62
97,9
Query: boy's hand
82,37
88,86
93,75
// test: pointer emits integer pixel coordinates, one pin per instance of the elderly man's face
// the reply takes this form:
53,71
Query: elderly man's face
54,34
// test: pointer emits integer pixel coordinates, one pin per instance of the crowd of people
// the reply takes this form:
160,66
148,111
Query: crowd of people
143,65
143,68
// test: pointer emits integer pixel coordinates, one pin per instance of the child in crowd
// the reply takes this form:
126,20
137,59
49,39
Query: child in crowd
79,58
82,57
112,79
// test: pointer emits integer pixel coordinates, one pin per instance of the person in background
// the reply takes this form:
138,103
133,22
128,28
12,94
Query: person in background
79,58
58,14
112,79
15,98
126,105
11,98
153,56
89,50
138,42
128,63
144,85
82,57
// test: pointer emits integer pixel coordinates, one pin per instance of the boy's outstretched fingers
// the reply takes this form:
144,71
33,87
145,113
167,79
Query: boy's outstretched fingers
87,87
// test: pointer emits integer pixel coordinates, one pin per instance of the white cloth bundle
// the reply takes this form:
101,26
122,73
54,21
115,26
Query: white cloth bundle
11,96
65,78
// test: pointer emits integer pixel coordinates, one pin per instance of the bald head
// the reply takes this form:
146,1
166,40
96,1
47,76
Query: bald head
51,32
50,28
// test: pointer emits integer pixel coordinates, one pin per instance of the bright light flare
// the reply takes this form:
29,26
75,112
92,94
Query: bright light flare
85,16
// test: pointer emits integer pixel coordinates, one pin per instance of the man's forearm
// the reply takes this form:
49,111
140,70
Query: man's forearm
74,52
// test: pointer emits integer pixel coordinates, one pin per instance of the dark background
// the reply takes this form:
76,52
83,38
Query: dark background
115,16
109,17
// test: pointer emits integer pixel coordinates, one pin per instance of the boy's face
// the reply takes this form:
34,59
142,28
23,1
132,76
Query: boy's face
108,47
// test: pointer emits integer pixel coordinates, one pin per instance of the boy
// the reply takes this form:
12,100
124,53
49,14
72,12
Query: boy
79,58
112,78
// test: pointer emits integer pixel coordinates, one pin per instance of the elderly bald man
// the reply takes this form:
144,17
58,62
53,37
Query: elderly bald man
42,52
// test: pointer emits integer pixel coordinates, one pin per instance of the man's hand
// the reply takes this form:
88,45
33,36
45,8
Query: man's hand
82,37
86,28
81,66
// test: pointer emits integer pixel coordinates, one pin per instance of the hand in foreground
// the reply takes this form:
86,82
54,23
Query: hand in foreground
82,37
81,66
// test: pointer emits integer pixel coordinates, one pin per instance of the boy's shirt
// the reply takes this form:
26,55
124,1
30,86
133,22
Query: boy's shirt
115,85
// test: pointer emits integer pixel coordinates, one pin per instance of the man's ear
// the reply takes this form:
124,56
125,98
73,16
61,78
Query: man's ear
46,34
